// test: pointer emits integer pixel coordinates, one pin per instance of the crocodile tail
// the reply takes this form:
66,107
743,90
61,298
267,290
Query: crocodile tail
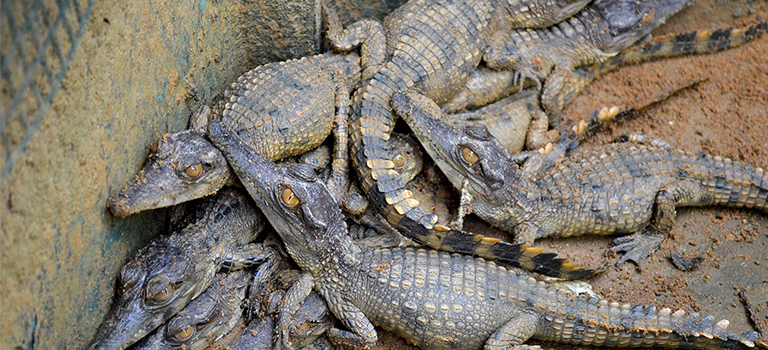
371,128
668,46
692,43
598,322
443,238
728,183
371,154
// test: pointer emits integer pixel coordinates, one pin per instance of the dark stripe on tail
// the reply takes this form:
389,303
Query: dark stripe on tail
517,255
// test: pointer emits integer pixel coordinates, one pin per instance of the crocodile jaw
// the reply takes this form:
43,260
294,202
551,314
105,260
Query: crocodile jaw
163,181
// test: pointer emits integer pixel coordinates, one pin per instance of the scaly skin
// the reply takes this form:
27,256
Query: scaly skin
668,46
211,315
281,109
512,119
518,255
308,324
432,47
600,31
488,85
161,278
615,188
438,300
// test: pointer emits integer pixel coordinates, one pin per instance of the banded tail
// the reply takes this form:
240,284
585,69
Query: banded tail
668,46
602,323
693,43
443,238
727,183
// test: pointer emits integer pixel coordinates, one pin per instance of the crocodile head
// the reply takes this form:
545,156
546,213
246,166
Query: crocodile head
152,287
203,320
181,167
406,156
631,20
470,157
293,199
457,151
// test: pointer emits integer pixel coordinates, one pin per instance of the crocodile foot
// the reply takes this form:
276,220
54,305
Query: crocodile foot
638,246
530,73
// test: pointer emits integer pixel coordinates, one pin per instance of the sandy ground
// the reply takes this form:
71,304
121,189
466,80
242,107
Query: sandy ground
726,115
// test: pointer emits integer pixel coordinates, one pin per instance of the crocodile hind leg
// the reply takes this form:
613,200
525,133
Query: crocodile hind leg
368,34
639,245
514,333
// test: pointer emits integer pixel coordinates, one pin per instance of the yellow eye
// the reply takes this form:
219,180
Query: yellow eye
163,295
469,155
399,160
194,171
184,334
153,146
288,197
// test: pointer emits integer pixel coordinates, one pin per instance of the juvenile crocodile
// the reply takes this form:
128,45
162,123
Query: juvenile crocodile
616,188
439,300
667,46
281,109
510,119
214,313
488,85
599,31
162,277
432,47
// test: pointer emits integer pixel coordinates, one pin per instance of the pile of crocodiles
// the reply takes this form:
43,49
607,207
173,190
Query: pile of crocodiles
306,254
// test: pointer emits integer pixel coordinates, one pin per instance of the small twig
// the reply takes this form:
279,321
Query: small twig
751,313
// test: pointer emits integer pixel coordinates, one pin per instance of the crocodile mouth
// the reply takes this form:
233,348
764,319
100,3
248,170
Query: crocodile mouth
158,190
181,167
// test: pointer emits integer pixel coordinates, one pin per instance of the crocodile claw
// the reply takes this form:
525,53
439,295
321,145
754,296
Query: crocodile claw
638,246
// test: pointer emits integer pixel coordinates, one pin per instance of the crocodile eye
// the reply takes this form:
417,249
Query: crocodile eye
288,197
399,160
468,155
183,334
194,171
153,146
162,295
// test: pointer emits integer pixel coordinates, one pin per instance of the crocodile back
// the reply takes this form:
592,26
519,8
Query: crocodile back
615,186
436,300
439,300
284,109
229,216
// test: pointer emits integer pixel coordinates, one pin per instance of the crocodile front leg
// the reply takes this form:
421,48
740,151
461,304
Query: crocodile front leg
639,245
